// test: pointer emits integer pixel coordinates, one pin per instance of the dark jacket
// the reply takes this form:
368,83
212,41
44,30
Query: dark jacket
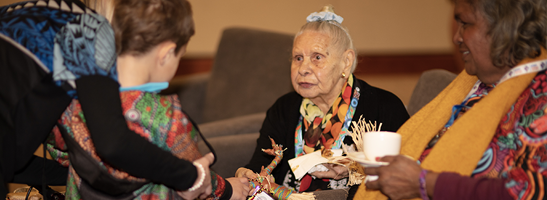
282,118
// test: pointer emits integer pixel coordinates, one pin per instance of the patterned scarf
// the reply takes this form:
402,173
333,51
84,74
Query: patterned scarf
323,130
320,129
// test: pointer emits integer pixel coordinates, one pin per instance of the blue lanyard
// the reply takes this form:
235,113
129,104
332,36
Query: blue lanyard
456,109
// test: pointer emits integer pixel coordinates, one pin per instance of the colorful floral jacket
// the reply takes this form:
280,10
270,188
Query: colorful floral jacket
518,151
156,117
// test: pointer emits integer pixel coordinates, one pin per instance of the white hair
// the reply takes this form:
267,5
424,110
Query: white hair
338,33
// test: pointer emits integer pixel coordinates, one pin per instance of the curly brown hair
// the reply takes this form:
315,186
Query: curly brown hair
139,25
518,28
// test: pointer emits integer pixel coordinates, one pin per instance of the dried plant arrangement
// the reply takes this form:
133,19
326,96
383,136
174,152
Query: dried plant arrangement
356,173
360,128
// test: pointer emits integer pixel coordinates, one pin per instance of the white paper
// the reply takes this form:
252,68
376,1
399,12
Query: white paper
263,196
302,164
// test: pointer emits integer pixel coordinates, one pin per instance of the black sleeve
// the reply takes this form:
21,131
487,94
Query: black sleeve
119,146
393,113
227,191
381,106
55,173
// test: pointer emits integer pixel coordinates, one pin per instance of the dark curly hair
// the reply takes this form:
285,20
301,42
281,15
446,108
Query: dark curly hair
518,28
140,25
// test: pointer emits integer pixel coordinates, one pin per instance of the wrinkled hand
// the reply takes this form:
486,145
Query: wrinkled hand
398,180
205,190
335,172
243,172
240,188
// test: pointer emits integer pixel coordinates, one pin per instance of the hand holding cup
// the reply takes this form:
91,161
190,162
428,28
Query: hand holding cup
378,144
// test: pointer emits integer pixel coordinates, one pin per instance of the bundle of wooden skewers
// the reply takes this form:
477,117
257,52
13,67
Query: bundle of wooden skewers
360,128
356,174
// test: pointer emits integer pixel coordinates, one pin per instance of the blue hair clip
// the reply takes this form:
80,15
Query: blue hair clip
324,16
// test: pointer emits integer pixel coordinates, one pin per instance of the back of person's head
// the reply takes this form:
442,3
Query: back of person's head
518,28
339,34
140,25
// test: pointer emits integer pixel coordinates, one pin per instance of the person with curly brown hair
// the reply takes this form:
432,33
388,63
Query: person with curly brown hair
485,135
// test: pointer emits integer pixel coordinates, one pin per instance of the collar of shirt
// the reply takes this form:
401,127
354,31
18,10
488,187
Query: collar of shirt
147,87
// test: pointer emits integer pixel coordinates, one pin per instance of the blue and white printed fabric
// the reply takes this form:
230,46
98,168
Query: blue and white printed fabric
63,36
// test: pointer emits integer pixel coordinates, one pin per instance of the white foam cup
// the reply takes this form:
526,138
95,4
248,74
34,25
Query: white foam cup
378,144
381,143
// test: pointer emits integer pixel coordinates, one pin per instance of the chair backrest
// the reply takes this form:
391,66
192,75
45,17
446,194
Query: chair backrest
430,84
251,70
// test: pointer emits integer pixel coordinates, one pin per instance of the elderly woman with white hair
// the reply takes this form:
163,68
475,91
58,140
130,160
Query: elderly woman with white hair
327,98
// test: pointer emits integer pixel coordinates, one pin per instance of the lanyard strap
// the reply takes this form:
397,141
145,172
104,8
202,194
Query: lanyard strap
524,69
516,71
347,120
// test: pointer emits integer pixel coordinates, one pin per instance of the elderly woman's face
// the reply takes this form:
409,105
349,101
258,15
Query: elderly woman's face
316,70
474,42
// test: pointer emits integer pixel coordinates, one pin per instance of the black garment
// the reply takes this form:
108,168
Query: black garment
282,118
55,175
31,104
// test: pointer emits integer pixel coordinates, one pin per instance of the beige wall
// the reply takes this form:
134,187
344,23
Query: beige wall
377,26
6,2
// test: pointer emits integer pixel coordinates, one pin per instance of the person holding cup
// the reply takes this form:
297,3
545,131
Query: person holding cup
327,98
376,144
484,136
